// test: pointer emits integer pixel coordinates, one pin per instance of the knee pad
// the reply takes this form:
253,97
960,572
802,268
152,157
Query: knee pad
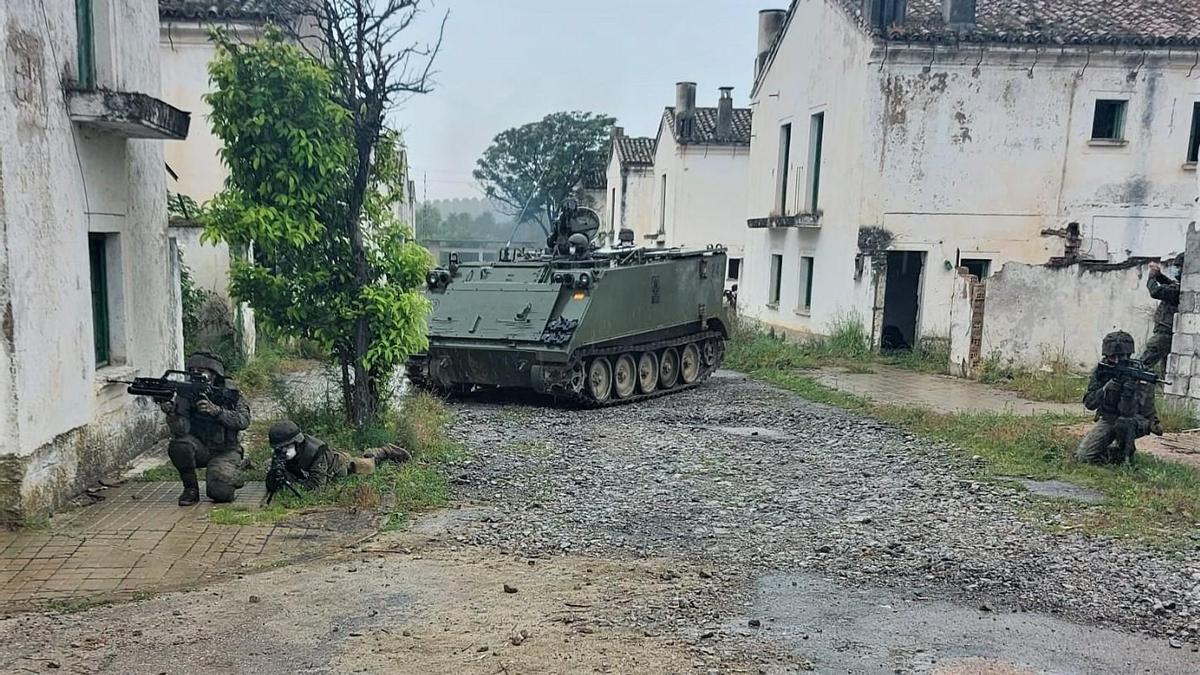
219,491
182,453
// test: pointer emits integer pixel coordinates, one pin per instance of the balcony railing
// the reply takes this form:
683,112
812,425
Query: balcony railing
794,220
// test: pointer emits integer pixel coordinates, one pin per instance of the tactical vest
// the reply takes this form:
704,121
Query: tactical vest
211,432
307,453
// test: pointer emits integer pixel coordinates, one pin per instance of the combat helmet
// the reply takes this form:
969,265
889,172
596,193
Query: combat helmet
1117,343
206,360
284,432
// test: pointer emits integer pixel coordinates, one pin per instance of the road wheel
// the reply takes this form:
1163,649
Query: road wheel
689,364
647,372
711,351
599,379
668,368
624,376
576,378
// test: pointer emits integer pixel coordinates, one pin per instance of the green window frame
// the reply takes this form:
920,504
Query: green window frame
85,44
98,259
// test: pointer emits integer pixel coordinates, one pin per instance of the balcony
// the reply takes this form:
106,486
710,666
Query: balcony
128,114
794,220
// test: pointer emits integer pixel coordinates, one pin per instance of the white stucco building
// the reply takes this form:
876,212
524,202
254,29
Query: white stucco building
630,185
88,284
960,134
686,186
185,53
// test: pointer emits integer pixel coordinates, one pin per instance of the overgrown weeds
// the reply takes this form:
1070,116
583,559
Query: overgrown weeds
1151,500
420,425
1055,383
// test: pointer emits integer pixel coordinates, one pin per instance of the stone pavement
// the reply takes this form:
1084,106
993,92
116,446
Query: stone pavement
138,541
940,393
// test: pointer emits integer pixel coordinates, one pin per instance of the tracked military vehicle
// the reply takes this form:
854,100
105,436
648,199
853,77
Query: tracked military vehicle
592,326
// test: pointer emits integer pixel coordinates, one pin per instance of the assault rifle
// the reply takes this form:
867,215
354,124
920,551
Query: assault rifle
1119,372
277,475
182,384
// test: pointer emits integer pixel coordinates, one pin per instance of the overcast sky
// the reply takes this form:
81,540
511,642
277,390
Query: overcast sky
507,63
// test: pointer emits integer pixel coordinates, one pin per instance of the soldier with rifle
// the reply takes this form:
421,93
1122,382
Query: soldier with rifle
205,415
1121,391
302,459
1166,290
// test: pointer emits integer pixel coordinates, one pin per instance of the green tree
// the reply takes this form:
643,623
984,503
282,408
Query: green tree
299,202
542,163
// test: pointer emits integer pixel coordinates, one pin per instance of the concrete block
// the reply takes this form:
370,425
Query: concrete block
1184,344
1177,364
1178,386
1193,390
1187,323
1191,258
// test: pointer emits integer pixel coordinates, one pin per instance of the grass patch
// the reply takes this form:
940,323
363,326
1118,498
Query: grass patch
1057,384
1151,500
1175,416
246,515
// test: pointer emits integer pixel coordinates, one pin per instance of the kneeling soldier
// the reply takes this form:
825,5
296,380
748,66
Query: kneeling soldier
204,434
1124,404
312,463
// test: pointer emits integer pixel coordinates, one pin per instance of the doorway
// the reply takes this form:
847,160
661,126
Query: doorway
901,300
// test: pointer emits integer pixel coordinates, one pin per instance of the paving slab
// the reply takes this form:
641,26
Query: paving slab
138,541
940,393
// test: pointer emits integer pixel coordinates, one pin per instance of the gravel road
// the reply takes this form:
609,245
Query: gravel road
746,480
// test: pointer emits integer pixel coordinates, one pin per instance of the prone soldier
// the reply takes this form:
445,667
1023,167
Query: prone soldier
205,434
1122,394
311,463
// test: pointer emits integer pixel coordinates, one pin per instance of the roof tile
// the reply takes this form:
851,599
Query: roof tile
706,127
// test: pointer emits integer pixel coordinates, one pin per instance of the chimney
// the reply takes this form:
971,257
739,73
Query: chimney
770,24
725,114
883,13
959,14
685,109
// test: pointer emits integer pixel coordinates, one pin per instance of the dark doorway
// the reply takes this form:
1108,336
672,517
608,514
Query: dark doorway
901,301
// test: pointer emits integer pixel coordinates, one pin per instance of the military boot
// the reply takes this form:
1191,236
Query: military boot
191,489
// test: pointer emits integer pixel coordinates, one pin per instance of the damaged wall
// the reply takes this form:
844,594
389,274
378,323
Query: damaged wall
63,425
964,153
1037,315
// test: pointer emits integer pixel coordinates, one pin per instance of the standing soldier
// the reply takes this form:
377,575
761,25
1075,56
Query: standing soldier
1166,291
204,434
1124,406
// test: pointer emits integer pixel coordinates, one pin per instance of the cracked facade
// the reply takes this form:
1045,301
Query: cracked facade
965,151
88,284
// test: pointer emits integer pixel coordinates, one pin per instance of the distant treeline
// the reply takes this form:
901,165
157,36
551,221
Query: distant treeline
483,226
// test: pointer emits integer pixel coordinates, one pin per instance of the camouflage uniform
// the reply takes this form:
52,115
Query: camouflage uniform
1124,409
200,439
1166,291
314,463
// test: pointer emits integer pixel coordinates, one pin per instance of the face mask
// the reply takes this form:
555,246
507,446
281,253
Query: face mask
290,451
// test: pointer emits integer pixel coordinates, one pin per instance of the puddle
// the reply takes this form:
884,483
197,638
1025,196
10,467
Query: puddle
875,630
1061,490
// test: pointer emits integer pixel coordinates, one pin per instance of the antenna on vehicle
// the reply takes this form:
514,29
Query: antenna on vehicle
521,217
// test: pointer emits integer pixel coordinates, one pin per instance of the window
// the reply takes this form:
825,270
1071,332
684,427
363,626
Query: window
785,160
816,137
1194,141
978,267
735,268
98,256
1109,122
662,207
86,56
612,211
806,279
776,271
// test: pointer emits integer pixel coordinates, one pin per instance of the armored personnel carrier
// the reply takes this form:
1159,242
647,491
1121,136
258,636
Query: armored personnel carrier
590,326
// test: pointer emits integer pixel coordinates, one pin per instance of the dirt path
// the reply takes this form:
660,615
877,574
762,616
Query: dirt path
415,603
733,528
